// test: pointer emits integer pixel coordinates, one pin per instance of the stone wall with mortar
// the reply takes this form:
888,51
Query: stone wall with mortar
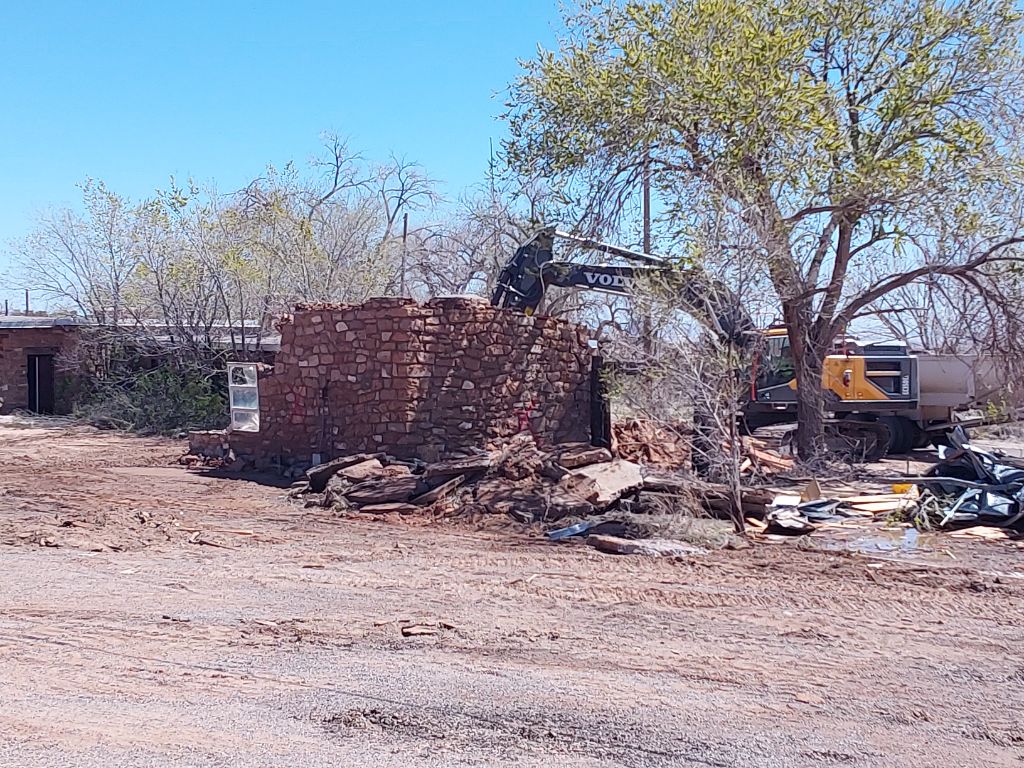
418,380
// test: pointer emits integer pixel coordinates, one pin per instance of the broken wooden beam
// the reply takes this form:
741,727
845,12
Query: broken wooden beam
650,547
321,473
440,491
604,484
385,490
469,466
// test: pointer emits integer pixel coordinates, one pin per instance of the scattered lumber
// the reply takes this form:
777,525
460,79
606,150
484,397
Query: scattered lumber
530,501
651,444
521,480
760,457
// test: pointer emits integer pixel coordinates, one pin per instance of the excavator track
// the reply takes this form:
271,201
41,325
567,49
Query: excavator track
859,440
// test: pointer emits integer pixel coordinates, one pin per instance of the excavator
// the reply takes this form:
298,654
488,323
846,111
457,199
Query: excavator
872,390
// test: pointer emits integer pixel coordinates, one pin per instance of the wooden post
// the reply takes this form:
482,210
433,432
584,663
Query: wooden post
405,251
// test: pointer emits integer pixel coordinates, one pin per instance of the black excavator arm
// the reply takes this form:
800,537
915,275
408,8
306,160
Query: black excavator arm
525,278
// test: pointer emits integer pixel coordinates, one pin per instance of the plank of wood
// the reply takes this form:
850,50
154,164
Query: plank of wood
582,458
875,507
811,491
871,498
772,460
390,508
385,490
415,630
611,480
469,465
442,490
856,512
650,547
981,532
321,473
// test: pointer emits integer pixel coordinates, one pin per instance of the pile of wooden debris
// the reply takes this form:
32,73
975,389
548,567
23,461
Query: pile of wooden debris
760,458
521,481
652,444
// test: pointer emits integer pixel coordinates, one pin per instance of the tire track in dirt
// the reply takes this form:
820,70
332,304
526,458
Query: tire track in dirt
848,602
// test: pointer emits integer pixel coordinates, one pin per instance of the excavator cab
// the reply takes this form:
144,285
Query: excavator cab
773,363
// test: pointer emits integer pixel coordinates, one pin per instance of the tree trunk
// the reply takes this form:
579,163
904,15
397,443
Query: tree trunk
810,409
808,364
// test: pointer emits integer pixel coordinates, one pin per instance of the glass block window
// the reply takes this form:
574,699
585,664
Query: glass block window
244,397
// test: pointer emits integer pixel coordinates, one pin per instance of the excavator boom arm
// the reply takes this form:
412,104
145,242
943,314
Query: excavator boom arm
531,270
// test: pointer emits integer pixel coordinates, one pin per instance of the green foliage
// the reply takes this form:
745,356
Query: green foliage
166,399
779,104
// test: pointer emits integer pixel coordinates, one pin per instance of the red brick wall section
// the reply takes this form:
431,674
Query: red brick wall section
417,381
15,346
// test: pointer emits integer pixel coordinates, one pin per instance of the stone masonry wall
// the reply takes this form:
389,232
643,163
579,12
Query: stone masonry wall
15,346
417,381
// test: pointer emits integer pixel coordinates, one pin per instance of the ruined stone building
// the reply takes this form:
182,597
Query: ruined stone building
415,380
30,378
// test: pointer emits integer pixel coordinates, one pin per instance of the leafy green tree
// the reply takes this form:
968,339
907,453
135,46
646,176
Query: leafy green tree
865,144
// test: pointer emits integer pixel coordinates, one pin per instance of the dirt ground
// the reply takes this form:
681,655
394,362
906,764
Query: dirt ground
154,617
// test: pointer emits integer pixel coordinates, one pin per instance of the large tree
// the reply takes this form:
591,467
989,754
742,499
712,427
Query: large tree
865,144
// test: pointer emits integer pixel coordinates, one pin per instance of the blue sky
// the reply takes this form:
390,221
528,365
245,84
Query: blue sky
133,93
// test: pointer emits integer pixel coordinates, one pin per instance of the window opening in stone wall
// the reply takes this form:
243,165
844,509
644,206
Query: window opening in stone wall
244,397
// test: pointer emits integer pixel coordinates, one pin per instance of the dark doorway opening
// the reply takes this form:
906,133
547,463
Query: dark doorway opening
600,406
41,393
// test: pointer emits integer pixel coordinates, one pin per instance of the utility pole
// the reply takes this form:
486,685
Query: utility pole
647,204
405,251
647,326
7,308
26,301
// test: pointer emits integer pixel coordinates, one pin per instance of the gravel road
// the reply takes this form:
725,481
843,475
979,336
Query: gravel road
123,642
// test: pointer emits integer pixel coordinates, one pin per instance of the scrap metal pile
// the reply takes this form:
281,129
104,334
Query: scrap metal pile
969,491
971,487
